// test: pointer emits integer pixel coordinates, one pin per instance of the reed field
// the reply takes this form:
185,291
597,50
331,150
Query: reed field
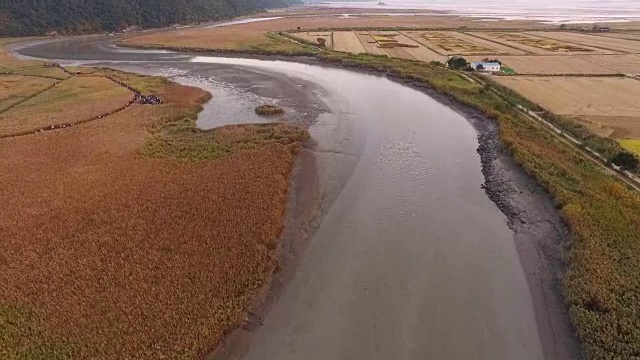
84,97
137,235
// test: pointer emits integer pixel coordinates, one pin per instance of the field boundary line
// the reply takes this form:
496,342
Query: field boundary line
31,96
10,73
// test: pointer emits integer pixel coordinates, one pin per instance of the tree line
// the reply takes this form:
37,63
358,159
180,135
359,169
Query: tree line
39,17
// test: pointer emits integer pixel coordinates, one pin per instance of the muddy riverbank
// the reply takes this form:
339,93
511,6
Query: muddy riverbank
400,172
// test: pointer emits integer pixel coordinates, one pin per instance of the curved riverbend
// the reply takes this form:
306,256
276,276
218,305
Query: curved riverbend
411,260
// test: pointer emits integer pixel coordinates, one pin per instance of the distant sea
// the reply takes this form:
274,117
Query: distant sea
545,11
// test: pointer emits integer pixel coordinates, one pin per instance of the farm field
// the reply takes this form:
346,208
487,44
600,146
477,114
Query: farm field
552,65
437,45
527,52
85,97
347,41
624,64
618,35
607,105
537,45
369,43
254,36
104,262
611,44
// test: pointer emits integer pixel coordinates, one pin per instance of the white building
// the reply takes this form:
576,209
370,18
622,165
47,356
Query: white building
485,66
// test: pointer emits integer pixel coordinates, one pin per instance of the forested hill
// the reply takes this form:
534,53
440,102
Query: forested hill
39,17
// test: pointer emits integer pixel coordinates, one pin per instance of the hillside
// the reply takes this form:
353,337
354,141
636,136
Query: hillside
85,16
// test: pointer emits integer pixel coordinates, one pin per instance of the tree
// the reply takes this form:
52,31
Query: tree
626,161
38,17
457,62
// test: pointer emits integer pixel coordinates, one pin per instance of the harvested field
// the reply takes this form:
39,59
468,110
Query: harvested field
84,97
593,96
347,41
624,64
612,44
418,51
617,35
608,106
15,88
448,43
400,53
534,44
552,65
497,48
616,127
369,43
104,262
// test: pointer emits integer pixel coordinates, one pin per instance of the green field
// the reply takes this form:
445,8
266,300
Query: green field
631,145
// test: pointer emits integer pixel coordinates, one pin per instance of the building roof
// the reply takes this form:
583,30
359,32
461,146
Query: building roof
484,63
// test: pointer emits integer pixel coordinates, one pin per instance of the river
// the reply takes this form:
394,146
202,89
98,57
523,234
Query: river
408,258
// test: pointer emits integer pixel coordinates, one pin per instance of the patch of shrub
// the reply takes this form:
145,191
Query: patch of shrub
268,109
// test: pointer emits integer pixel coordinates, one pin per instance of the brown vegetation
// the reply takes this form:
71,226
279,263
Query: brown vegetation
110,254
75,99
17,88
268,109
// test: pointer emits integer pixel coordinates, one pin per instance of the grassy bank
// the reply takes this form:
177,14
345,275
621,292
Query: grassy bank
135,235
602,285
